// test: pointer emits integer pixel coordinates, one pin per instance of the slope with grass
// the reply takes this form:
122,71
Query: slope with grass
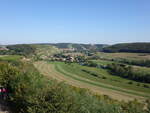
45,50
73,75
10,57
123,55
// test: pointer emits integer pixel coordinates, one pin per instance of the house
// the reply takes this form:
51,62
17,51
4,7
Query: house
70,59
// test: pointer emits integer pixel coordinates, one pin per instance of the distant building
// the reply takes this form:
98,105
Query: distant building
68,49
3,48
70,59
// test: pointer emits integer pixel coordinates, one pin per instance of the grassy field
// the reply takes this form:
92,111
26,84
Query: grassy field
10,57
45,50
115,87
130,56
103,62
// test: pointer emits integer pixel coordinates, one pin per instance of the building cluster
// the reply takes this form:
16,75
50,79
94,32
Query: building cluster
3,48
63,58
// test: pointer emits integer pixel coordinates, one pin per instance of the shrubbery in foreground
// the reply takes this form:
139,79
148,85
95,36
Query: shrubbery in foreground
30,92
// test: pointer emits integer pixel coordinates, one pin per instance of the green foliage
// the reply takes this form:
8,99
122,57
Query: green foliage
128,72
129,47
91,73
10,58
20,49
145,63
91,64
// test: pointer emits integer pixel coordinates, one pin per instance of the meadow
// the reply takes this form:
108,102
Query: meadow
10,57
111,85
124,55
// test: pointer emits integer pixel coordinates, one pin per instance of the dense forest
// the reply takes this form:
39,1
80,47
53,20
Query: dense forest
129,47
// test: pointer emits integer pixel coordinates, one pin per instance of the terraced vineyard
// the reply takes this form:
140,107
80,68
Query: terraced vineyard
103,83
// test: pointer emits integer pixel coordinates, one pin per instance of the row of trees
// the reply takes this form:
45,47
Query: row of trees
128,72
145,63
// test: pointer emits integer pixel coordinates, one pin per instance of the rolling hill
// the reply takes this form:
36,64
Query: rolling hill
129,47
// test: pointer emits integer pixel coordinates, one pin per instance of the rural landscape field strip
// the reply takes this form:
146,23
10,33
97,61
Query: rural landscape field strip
54,74
50,71
77,77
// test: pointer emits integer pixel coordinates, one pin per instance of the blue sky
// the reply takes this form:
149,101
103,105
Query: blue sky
79,21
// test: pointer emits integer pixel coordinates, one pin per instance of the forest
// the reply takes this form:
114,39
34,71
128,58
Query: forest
129,47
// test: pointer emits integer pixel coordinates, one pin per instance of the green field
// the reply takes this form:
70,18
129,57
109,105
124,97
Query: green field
45,50
115,87
10,57
130,56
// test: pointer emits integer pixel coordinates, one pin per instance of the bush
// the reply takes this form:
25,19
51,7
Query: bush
128,72
138,84
104,77
146,86
130,82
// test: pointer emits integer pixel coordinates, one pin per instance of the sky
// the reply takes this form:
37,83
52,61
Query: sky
76,21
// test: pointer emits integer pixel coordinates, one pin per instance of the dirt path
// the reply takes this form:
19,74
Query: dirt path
50,71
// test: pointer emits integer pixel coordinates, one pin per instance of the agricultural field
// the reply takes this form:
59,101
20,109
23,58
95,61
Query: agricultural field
137,68
10,57
130,56
96,80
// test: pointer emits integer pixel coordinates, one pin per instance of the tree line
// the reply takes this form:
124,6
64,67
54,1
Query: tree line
129,47
128,72
145,63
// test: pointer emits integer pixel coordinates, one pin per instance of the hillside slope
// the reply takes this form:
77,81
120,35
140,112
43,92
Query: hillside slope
96,47
129,47
57,72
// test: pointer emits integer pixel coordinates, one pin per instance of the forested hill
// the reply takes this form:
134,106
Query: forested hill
129,47
19,49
